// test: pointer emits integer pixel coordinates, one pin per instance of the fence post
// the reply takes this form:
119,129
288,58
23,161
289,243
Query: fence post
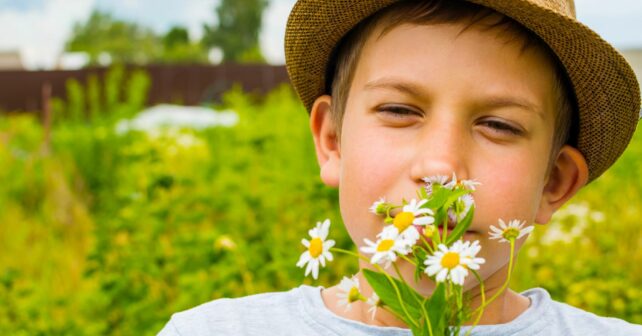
46,115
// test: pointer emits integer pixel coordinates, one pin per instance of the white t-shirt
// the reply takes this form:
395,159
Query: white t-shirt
301,312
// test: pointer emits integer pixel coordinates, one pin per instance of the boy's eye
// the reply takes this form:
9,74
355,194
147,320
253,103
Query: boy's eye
397,111
501,127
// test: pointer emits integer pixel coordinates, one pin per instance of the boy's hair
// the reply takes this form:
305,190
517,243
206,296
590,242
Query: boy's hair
347,53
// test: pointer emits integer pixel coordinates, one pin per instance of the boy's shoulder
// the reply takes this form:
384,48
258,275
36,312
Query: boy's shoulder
250,315
580,322
549,317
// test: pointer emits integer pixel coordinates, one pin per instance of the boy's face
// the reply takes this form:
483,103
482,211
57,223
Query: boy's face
429,100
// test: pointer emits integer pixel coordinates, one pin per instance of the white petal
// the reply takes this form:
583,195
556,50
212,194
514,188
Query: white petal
496,230
423,220
328,244
328,256
309,267
376,258
441,276
458,274
305,257
527,229
433,269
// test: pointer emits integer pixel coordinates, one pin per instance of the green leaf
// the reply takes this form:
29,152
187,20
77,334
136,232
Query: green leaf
386,292
422,193
438,197
436,306
419,255
461,227
454,196
421,330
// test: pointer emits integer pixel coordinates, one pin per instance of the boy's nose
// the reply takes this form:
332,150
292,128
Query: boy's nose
440,151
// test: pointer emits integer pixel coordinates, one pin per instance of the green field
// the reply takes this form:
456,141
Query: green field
109,234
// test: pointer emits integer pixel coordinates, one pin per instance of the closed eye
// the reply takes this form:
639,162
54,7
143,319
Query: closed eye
501,127
397,111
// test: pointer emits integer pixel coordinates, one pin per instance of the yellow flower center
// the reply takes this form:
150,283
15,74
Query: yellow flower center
450,260
354,294
403,220
316,247
385,245
510,233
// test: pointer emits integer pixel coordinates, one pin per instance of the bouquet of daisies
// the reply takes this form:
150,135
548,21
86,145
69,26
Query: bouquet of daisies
427,233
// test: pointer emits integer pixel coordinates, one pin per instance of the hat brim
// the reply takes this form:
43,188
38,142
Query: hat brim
606,88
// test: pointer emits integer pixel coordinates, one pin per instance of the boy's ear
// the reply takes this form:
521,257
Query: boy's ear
326,141
568,174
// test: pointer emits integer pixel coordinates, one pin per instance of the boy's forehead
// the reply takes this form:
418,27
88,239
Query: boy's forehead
412,58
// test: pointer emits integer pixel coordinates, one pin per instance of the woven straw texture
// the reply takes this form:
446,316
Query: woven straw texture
607,91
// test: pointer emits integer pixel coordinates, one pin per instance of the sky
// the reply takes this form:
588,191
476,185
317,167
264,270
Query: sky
38,29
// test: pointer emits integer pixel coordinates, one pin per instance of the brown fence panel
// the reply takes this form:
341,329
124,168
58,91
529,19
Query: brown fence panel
185,84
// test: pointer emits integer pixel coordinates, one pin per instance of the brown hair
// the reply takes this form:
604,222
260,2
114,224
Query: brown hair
345,56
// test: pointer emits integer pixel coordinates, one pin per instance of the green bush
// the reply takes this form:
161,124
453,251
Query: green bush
111,234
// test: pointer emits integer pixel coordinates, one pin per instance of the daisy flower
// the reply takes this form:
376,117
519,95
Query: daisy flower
514,230
379,207
463,205
318,249
349,292
453,263
385,250
413,214
466,184
374,303
436,179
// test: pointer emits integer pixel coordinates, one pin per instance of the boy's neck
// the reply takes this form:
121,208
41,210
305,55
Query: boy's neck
508,306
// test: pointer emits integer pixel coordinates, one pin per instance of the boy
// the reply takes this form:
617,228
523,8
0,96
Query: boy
401,90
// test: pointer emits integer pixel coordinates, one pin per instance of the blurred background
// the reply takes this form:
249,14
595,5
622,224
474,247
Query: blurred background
153,157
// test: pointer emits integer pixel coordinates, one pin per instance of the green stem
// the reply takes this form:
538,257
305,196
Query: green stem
407,259
382,271
340,250
431,249
429,323
510,271
445,227
416,298
483,295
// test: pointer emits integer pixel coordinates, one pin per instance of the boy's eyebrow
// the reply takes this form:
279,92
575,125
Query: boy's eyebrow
492,102
390,83
495,102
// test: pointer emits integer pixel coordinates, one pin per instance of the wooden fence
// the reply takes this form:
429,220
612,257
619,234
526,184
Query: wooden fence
188,84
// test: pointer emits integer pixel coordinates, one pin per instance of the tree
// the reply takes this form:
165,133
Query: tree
124,42
128,42
237,30
176,36
178,48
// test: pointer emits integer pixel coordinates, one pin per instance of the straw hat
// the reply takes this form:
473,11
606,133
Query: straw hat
607,91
